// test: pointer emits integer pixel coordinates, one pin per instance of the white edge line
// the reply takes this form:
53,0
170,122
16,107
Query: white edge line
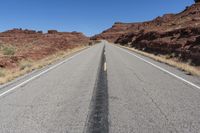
38,75
160,68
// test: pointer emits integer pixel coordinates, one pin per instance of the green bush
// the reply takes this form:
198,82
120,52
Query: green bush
8,51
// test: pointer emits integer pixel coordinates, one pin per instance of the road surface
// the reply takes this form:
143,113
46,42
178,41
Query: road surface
102,89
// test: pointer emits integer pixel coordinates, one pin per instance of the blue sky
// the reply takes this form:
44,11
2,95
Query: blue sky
87,16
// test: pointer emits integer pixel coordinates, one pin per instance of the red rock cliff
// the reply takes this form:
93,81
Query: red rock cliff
172,33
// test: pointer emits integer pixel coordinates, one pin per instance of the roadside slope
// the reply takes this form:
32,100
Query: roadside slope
22,51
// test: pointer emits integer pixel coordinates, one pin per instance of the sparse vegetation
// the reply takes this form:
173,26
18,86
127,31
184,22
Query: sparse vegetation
8,51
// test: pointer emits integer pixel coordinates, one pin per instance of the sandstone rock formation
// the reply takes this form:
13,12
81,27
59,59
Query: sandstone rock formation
176,34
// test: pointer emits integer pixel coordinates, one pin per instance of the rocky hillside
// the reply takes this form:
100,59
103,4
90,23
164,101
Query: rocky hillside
18,44
113,33
175,34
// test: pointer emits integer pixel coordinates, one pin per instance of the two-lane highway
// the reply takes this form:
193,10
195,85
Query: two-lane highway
117,91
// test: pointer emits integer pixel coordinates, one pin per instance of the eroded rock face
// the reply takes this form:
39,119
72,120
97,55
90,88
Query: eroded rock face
172,33
113,33
33,45
120,29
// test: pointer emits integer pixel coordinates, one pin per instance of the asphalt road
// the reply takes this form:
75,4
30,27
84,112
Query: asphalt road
102,89
144,99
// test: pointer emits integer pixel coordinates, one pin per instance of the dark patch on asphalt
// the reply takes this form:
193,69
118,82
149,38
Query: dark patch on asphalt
98,115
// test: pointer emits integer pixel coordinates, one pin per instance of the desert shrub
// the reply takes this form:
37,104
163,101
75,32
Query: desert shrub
25,65
2,73
8,51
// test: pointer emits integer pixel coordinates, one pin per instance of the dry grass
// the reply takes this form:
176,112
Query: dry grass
170,61
26,66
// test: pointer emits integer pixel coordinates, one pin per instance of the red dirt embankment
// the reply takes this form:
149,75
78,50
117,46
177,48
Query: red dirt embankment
18,44
175,34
